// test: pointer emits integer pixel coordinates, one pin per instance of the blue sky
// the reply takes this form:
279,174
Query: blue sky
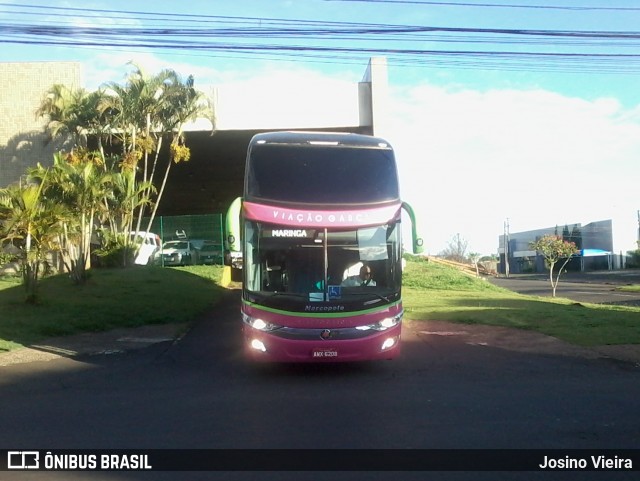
476,143
394,12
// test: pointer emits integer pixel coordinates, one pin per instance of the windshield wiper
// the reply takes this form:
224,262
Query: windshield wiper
273,294
292,294
354,294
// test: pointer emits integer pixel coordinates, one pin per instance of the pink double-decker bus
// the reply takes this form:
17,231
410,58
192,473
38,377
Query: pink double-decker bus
321,237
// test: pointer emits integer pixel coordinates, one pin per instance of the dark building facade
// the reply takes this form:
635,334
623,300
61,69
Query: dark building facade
594,241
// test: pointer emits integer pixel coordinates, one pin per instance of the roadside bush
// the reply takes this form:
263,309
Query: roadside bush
114,256
113,252
6,258
633,259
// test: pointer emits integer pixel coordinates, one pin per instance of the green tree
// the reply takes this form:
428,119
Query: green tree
554,248
32,227
138,115
127,195
145,110
180,104
78,114
134,112
75,113
76,181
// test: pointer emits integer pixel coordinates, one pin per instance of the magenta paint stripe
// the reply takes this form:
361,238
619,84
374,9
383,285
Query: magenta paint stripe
321,218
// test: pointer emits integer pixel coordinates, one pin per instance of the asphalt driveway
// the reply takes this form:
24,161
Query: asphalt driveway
600,287
453,387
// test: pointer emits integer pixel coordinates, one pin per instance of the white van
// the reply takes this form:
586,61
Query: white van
149,244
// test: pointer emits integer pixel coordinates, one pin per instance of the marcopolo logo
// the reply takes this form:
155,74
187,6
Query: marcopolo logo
23,459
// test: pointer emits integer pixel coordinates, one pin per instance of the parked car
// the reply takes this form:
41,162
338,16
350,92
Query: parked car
210,252
149,245
177,253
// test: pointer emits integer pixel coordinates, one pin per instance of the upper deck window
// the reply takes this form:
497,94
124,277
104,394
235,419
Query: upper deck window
321,174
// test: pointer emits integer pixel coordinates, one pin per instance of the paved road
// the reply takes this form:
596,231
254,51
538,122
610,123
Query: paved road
445,391
596,287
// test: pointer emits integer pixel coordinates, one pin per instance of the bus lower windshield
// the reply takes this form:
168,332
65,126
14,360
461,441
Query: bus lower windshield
289,267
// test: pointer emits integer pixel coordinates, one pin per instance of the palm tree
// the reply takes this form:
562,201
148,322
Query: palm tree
139,114
32,227
74,113
146,109
127,196
76,182
180,104
135,109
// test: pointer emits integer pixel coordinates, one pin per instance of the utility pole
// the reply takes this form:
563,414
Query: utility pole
506,248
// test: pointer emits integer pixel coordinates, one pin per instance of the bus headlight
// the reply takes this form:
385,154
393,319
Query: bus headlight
259,324
382,325
388,343
258,345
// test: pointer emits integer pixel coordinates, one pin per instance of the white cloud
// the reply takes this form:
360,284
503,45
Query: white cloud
470,159
277,99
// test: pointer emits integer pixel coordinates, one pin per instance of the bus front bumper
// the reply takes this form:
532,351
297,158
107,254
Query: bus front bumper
329,346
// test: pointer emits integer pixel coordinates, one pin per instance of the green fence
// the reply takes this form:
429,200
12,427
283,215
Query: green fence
204,232
203,227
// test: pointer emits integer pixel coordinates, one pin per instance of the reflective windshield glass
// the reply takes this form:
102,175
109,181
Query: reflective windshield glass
320,265
321,174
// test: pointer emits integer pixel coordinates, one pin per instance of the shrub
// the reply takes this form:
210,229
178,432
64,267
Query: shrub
114,252
6,258
633,259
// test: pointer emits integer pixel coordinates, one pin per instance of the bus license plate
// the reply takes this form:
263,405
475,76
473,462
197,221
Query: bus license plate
324,353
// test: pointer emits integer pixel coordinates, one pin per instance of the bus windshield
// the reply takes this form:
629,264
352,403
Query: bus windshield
326,175
289,268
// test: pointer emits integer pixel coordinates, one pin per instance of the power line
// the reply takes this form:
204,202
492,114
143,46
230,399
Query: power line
328,31
269,37
139,15
495,5
270,25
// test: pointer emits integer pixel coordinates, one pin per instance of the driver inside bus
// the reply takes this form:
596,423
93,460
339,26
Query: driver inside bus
362,279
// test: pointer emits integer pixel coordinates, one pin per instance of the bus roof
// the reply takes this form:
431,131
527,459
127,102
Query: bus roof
341,139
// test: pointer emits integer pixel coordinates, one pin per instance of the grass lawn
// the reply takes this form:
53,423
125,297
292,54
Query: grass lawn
152,295
631,288
432,291
111,298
